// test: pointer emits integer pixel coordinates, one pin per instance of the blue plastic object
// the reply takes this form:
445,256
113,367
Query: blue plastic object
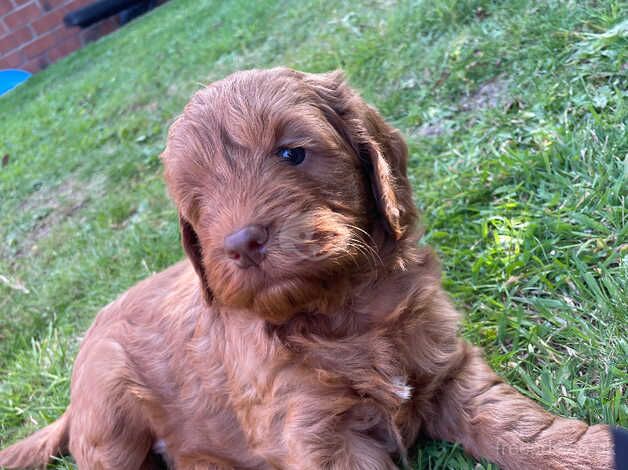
11,78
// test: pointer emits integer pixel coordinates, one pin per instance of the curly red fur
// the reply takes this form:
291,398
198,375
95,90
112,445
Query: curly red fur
336,352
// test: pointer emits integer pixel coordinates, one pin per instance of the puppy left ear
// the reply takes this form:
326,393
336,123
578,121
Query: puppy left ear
384,154
193,250
380,147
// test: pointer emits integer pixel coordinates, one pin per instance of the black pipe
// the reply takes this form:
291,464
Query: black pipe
136,10
97,11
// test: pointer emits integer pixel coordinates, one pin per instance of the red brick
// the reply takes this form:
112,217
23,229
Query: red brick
36,64
108,26
64,32
39,45
21,2
76,4
48,21
99,30
48,5
55,53
23,16
3,28
65,48
91,33
12,61
73,42
5,7
7,44
15,39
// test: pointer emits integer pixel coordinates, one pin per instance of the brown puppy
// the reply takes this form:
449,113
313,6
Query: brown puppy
307,329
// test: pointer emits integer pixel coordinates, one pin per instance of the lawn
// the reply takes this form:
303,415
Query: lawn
515,113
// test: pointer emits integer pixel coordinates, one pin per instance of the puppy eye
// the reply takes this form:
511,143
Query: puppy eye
293,156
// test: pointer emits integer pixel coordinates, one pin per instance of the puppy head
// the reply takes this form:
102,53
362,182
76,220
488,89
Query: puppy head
288,185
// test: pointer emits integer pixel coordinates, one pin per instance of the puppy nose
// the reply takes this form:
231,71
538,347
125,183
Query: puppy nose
246,246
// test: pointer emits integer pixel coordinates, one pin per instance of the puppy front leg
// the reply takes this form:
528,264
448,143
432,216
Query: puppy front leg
316,438
338,452
492,420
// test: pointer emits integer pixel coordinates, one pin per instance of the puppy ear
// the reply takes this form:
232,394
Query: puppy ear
380,147
378,155
192,247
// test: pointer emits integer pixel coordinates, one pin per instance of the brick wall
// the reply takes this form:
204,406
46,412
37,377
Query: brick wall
32,33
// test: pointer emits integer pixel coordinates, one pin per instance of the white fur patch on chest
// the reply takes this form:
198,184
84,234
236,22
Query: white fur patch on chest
402,389
159,446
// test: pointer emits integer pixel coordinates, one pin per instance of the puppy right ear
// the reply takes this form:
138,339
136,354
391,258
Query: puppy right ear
193,250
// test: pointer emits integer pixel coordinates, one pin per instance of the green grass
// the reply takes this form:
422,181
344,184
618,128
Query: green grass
515,112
